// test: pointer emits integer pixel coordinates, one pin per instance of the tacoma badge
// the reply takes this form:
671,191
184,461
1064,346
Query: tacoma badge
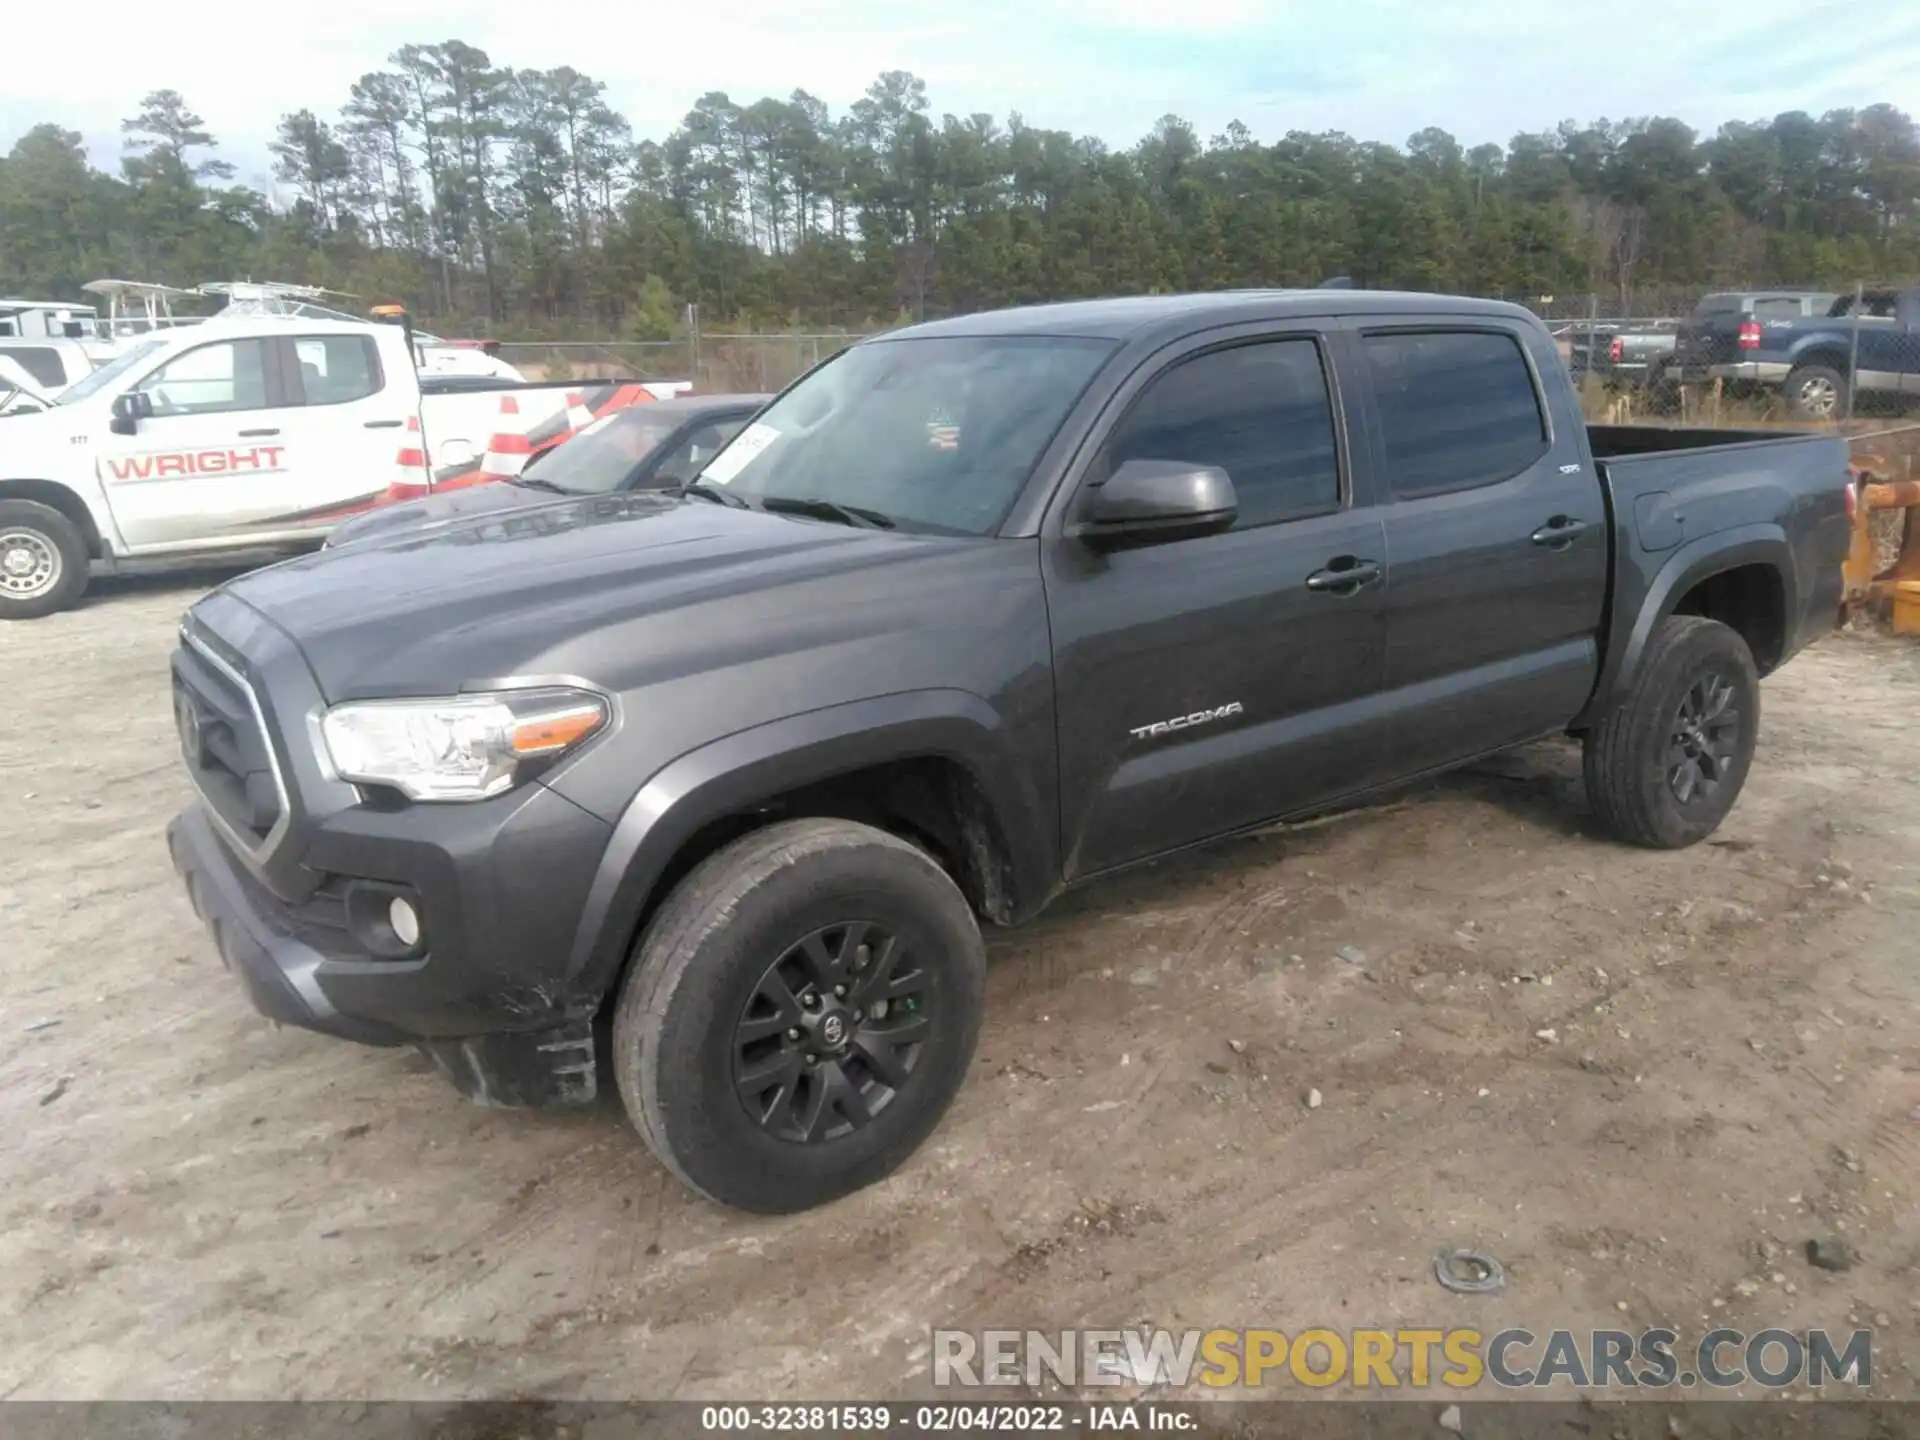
1187,722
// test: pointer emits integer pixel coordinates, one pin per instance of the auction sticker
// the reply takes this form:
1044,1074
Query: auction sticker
747,447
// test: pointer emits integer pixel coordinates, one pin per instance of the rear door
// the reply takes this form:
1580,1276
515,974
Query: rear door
342,433
1203,684
1496,537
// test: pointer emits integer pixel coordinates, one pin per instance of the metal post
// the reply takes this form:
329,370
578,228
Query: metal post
1853,358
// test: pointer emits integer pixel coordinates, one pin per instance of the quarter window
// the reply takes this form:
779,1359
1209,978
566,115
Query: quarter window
1458,409
1261,412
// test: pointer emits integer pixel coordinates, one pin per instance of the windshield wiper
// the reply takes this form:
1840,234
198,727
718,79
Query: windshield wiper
535,482
854,515
715,493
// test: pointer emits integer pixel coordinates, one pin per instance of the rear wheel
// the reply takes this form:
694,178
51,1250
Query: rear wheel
1816,392
799,1014
43,560
1664,768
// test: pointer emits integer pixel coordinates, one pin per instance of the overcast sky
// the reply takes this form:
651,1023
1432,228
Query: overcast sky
1378,69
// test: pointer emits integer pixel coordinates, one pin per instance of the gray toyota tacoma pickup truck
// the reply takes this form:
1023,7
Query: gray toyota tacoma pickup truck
709,792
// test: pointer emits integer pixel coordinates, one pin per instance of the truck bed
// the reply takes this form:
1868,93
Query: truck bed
1670,488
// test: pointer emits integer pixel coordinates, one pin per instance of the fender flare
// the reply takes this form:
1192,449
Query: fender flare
1762,544
729,775
1826,348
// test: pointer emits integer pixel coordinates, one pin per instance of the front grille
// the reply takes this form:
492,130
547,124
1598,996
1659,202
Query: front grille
227,752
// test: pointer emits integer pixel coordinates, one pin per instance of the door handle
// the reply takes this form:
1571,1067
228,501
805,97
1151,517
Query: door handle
1344,575
1559,532
383,424
256,434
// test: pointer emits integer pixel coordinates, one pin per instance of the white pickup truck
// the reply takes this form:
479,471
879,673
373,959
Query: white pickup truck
237,434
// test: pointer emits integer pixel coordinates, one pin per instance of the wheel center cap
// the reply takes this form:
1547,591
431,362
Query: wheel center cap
19,561
832,1028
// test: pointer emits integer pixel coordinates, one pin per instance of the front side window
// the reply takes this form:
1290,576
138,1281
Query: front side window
1457,409
1260,412
335,369
210,379
691,454
936,434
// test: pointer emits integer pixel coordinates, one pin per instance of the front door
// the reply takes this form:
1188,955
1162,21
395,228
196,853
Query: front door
1209,683
211,460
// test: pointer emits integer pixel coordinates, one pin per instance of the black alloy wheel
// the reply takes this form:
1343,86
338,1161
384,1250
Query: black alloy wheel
831,1033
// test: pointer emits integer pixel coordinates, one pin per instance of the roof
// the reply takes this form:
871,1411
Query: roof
694,404
1134,316
14,302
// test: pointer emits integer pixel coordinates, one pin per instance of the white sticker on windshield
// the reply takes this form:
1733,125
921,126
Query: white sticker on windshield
745,449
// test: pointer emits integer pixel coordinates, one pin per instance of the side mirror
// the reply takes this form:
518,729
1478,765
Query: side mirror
129,410
1149,500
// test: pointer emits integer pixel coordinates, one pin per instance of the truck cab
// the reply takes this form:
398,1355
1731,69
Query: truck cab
224,436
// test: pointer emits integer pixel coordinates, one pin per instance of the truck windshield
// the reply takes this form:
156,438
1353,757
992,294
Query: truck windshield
107,374
933,434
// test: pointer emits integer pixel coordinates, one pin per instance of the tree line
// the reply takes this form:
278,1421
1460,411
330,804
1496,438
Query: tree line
520,201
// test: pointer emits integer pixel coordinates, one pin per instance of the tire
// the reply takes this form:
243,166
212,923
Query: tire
1816,392
698,996
43,560
1644,780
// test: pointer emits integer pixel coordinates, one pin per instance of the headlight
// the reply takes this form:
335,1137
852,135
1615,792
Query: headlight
458,747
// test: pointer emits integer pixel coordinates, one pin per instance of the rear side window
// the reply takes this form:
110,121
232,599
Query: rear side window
1260,412
42,362
1457,409
1778,307
337,368
1720,305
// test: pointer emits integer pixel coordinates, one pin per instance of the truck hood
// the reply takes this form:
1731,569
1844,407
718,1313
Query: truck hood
35,439
440,510
575,587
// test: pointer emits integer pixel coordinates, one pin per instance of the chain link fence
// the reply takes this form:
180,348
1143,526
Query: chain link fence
716,364
1669,355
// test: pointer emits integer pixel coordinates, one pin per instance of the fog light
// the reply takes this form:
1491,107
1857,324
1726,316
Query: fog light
405,921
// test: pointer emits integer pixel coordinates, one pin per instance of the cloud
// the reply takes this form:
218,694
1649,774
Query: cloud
1378,69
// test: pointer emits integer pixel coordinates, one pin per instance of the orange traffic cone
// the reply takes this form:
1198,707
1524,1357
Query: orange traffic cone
508,447
410,464
578,415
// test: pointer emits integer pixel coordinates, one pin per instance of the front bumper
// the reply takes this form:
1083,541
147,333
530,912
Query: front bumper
291,868
501,1038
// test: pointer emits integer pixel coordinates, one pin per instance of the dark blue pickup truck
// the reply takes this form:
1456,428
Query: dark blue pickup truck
1865,345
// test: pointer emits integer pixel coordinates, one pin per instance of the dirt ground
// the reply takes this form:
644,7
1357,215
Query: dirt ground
1643,1081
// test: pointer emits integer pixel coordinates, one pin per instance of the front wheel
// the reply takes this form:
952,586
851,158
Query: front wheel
799,1014
43,560
1664,768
